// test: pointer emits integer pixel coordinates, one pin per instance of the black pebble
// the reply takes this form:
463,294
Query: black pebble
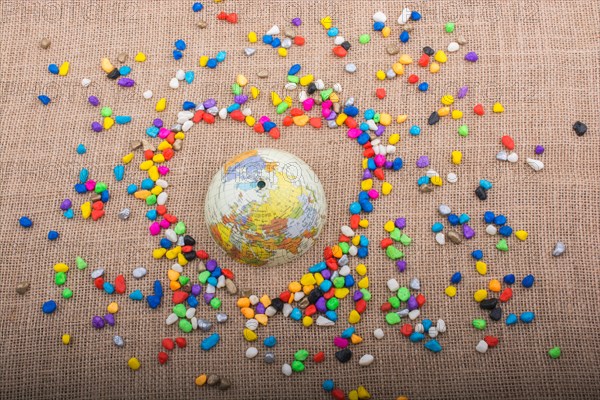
481,193
277,304
314,295
346,45
190,255
434,118
188,240
488,304
311,88
114,74
428,50
496,314
344,355
580,128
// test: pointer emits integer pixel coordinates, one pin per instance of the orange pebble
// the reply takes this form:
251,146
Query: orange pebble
495,285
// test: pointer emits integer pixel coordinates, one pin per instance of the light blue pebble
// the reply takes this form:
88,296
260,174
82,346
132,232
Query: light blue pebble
487,185
355,208
415,130
189,77
131,189
119,171
136,295
511,319
527,317
437,227
210,342
434,346
423,180
108,287
152,131
331,315
333,31
83,175
151,215
147,184
347,333
69,213
296,314
122,119
328,385
221,56
416,337
125,70
463,219
81,149
369,114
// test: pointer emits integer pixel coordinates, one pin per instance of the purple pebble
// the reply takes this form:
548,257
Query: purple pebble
66,204
208,297
211,265
539,149
97,322
332,115
462,92
240,99
110,319
388,164
367,174
209,103
326,274
260,308
357,295
401,264
296,21
468,232
321,304
412,303
94,101
400,223
423,162
196,289
471,56
96,126
158,123
380,130
126,82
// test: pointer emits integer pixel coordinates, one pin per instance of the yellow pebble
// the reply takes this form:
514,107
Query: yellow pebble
481,267
164,145
300,120
495,285
86,210
249,335
402,398
252,37
153,173
394,138
145,165
389,226
288,100
436,180
134,363
275,99
361,269
444,111
307,321
457,114
127,158
250,120
356,240
450,291
282,51
354,317
180,135
326,22
401,118
380,75
364,283
440,57
333,97
341,293
447,100
306,80
107,123
365,163
362,393
385,32
112,308
456,157
161,105
398,68
386,188
66,339
159,253
294,287
480,295
241,80
262,319
156,190
60,267
363,223
385,119
367,184
254,91
521,235
200,380
203,61
405,59
265,301
498,108
308,279
106,65
340,119
353,395
63,70
158,158
434,68
319,278
140,57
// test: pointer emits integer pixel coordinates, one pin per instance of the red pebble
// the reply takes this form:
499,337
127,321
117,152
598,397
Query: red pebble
368,153
299,40
232,18
197,116
120,284
97,205
171,218
354,221
237,115
351,123
99,283
327,252
168,154
181,342
478,109
340,51
97,214
274,133
295,112
387,306
161,210
310,310
222,16
508,142
162,357
386,242
208,118
344,239
285,296
168,344
287,121
424,60
329,294
170,138
421,300
380,93
413,79
258,128
492,341
379,174
319,357
201,254
338,394
406,330
315,122
179,297
148,154
332,264
227,273
186,249
506,295
360,306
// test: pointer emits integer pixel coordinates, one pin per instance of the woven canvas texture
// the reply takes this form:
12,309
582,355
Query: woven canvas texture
540,59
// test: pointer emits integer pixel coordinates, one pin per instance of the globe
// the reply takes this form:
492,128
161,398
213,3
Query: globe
265,207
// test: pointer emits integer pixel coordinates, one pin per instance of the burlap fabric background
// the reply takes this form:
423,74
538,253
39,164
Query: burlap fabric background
539,58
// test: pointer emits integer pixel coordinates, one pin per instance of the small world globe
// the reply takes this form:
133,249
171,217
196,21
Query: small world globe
265,207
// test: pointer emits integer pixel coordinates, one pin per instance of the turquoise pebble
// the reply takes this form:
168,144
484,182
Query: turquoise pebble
463,219
108,287
347,333
511,319
527,317
437,227
221,56
210,342
415,130
328,385
152,131
122,119
416,337
136,295
83,175
434,346
427,323
423,180
270,341
296,314
369,114
81,149
151,215
69,213
333,31
189,76
124,70
487,185
131,189
355,208
49,307
119,171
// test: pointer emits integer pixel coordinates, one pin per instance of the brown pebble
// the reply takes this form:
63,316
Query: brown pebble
263,74
289,32
186,288
318,100
202,24
201,267
424,188
230,286
95,197
23,287
461,40
122,57
225,384
135,144
45,43
391,50
146,145
408,27
177,144
246,293
337,107
304,302
454,237
213,380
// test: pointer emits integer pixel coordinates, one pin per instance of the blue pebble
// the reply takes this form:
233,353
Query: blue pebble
221,56
131,189
136,295
152,131
105,196
362,252
119,171
511,319
416,337
44,99
153,301
331,315
217,272
267,39
53,235
69,214
456,277
509,279
355,208
348,332
212,281
147,184
415,130
434,346
437,227
197,7
423,87
270,341
124,70
81,149
505,230
477,254
415,16
527,317
371,164
424,180
488,217
83,175
25,222
318,267
363,127
49,307
404,37
487,185
453,219
269,125
192,301
366,206
180,44
328,385
122,119
166,243
188,105
500,220
378,26
333,31
53,69
212,63
158,289
369,113
80,188
294,69
363,138
351,111
463,219
210,342
528,281
426,324
108,287
152,215
276,43
233,107
189,78
349,279
397,164
177,55
296,314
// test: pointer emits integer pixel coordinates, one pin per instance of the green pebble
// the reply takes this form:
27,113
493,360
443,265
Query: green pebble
376,118
151,200
100,187
395,234
339,282
297,366
403,294
502,245
215,303
394,301
449,27
345,247
301,355
364,38
293,79
106,111
60,278
67,293
179,310
236,89
184,280
366,294
554,352
463,131
282,107
185,325
326,93
179,228
479,323
392,318
332,304
81,263
393,253
203,277
405,239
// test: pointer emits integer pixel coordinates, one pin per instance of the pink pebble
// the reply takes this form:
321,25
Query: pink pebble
325,112
163,133
353,133
326,104
308,104
379,160
164,224
263,119
154,228
90,185
340,342
373,193
163,170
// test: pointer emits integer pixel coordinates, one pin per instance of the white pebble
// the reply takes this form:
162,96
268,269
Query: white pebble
302,96
286,369
247,111
147,94
351,68
537,165
172,318
161,199
414,314
270,311
415,284
287,310
180,74
419,328
323,321
404,16
491,230
290,86
273,31
190,313
221,317
162,183
252,324
320,84
433,332
393,285
379,16
559,249
353,250
453,47
85,82
194,322
139,272
251,352
286,43
431,173
482,346
502,155
347,231
452,178
345,270
253,299
513,157
173,83
249,51
171,235
178,268
366,360
118,341
338,40
337,88
378,333
299,295
441,326
444,210
440,238
223,113
97,273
